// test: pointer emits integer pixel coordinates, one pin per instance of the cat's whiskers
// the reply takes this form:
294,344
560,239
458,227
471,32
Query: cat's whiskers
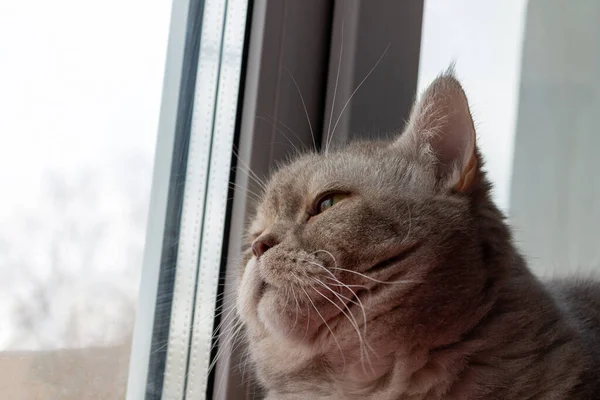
230,308
347,286
341,298
219,336
375,280
304,106
337,78
218,311
251,174
275,120
342,284
245,164
358,302
272,120
226,331
231,334
281,132
244,360
363,346
236,345
352,323
251,193
297,305
352,95
326,324
328,253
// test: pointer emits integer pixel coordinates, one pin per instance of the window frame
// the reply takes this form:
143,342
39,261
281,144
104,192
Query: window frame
158,269
160,357
273,86
282,105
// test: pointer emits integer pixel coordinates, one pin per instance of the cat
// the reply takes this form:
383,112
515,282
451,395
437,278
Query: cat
383,270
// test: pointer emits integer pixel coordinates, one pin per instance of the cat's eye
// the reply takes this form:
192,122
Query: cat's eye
328,201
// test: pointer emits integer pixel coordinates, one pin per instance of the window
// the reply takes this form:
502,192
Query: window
554,188
530,70
136,134
189,206
485,41
81,85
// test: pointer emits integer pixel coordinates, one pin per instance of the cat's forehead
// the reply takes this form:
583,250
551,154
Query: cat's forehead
368,167
288,188
285,193
310,174
313,173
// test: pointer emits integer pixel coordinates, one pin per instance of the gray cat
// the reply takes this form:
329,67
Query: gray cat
383,270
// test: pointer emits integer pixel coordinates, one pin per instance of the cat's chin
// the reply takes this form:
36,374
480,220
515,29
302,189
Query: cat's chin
282,319
272,313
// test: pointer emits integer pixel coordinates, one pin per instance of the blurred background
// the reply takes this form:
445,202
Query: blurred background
80,91
80,95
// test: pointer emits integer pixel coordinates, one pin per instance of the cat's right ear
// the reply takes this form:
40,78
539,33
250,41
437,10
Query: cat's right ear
441,133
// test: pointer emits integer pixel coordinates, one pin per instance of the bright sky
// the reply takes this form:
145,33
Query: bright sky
80,88
80,84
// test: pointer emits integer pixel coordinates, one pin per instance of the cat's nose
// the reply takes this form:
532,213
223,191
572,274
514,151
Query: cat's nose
262,244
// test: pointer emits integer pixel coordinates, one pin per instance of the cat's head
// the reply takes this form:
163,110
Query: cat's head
376,241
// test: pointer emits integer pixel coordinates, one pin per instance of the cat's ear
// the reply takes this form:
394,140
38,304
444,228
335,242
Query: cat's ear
441,132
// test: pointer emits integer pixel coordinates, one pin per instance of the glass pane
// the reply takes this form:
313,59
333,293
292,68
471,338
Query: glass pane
555,190
532,73
485,41
80,94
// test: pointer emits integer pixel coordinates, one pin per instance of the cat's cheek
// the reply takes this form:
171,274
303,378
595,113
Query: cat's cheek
268,313
248,295
278,317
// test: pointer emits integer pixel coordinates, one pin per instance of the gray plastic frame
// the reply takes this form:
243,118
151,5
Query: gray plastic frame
289,83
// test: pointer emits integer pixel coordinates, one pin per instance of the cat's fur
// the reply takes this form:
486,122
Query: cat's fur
425,270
